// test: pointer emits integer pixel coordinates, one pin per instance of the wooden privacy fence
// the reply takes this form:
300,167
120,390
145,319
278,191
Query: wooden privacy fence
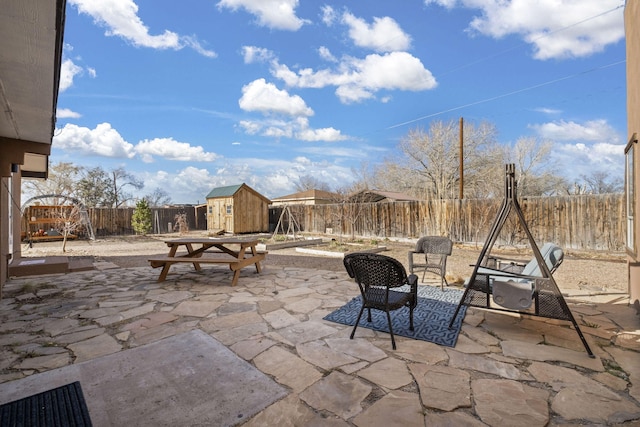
117,221
590,222
593,222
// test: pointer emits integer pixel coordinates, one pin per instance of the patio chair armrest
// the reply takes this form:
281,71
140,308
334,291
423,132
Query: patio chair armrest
484,271
498,262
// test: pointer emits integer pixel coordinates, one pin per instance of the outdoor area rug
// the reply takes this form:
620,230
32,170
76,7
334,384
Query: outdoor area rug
62,406
431,316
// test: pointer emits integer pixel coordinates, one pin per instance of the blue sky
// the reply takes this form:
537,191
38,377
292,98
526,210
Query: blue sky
196,94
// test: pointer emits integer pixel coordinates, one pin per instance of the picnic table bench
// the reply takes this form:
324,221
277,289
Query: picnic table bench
245,255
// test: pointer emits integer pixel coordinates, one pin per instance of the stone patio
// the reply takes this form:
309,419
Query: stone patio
504,370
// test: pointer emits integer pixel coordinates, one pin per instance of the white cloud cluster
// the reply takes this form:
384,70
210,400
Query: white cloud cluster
590,146
101,141
65,113
592,131
121,19
105,141
359,79
68,70
254,54
170,149
555,28
267,98
275,14
355,79
383,35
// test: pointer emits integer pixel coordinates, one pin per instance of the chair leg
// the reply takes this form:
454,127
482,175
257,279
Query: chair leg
411,318
353,332
369,318
393,340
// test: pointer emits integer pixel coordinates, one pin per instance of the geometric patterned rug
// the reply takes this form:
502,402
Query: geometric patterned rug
431,316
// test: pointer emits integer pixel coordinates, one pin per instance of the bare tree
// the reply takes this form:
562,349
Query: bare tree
352,201
428,164
61,180
93,188
157,198
67,221
310,182
181,223
601,182
120,180
535,172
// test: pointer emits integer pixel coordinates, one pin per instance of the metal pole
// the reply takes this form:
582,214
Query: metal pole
461,195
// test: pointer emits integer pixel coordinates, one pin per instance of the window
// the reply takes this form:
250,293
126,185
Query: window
228,209
630,192
210,209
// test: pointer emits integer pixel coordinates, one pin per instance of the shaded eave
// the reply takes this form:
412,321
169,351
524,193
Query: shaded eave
31,40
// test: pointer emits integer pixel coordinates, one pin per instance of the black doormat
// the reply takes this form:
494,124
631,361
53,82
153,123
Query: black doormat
60,407
431,316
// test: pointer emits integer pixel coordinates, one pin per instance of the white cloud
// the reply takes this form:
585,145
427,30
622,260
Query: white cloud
101,141
104,141
546,110
326,54
323,134
275,14
359,79
267,98
121,19
555,28
329,15
297,128
383,35
68,70
253,54
170,149
270,177
583,159
592,131
65,113
584,147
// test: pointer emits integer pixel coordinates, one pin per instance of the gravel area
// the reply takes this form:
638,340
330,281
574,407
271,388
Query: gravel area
590,271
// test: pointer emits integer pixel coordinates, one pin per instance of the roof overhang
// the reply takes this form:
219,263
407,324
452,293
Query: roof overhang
31,39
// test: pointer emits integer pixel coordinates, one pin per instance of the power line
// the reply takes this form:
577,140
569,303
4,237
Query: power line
504,95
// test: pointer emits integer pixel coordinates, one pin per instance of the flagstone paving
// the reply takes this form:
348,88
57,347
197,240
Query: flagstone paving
505,369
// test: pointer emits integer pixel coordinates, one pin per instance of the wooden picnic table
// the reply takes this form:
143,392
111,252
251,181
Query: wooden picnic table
236,252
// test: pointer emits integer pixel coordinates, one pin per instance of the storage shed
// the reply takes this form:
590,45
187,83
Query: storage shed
237,209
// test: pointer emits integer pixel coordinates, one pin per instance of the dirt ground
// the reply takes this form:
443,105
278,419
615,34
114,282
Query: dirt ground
589,271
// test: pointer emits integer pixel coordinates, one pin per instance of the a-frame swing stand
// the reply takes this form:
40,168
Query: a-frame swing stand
293,228
547,299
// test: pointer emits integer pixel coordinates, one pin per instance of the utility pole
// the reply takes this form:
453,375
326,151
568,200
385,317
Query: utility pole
461,195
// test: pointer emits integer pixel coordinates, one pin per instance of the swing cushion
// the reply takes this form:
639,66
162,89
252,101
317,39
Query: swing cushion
511,294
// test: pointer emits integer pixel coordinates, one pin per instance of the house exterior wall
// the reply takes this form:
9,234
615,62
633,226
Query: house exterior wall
305,202
632,32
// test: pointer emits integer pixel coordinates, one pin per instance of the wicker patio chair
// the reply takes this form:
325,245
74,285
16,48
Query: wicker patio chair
435,250
377,275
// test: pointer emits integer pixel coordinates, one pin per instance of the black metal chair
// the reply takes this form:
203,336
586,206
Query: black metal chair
377,275
435,250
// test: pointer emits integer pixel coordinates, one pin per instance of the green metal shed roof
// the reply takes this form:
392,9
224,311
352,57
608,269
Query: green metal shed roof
227,191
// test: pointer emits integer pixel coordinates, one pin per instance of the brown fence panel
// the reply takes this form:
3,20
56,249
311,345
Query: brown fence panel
117,221
578,222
